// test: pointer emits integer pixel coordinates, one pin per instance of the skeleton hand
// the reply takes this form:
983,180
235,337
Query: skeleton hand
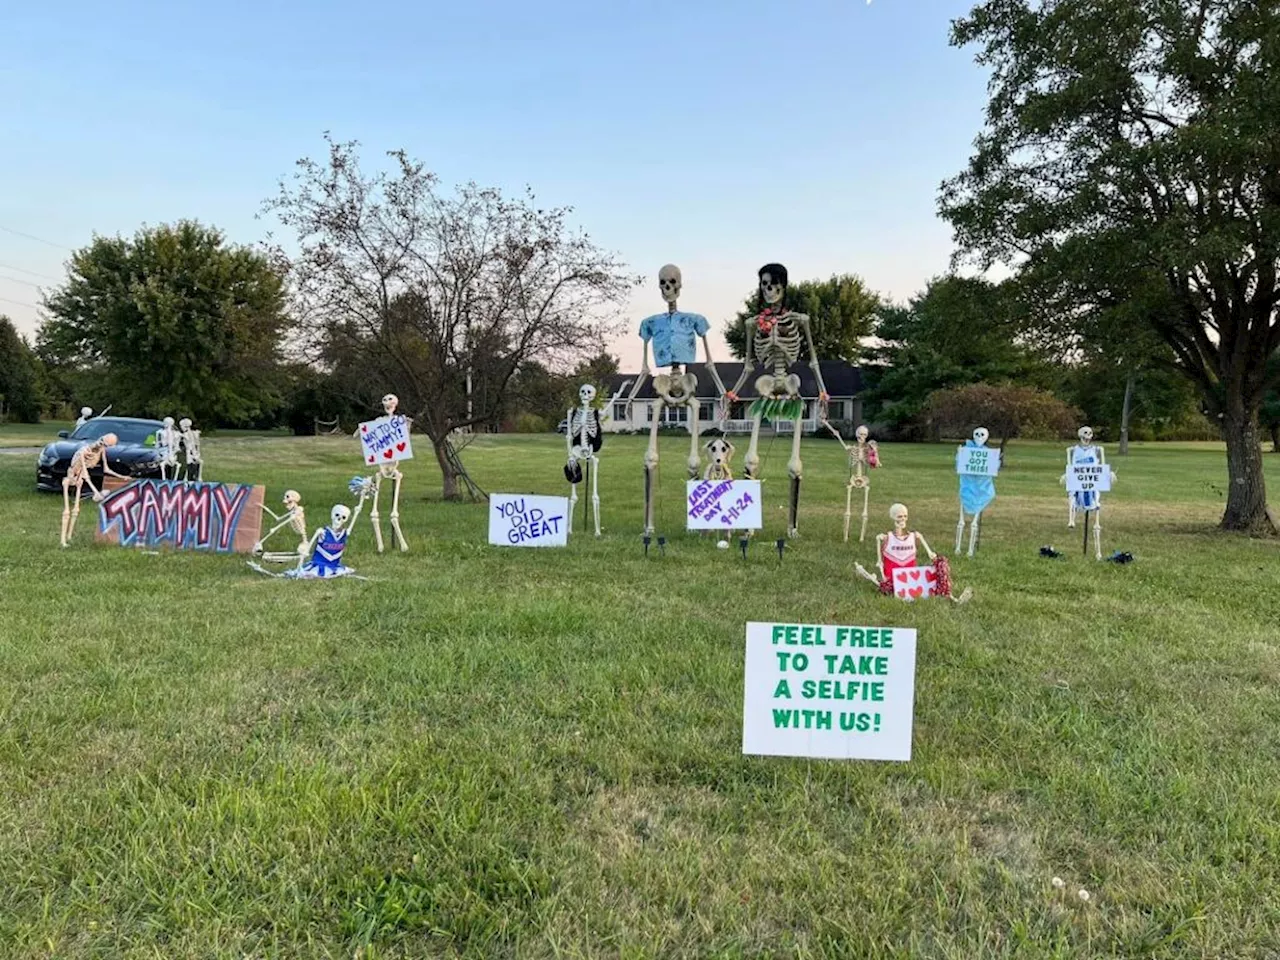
99,496
824,401
1063,479
1114,476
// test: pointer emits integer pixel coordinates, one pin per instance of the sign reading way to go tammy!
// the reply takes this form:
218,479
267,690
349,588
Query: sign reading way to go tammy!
838,692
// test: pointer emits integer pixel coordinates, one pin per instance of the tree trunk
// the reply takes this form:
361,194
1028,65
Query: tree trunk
1126,410
1246,488
1275,437
449,477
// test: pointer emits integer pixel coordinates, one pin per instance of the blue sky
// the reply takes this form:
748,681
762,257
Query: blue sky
715,135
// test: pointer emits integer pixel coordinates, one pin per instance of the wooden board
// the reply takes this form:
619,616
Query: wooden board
214,517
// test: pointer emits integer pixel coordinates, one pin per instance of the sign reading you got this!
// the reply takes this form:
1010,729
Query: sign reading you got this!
386,440
978,461
821,690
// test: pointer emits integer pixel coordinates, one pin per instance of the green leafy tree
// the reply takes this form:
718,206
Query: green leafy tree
177,320
959,330
842,312
1125,141
21,393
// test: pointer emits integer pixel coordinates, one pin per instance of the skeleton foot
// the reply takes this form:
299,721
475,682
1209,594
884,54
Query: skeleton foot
964,597
695,466
751,465
395,529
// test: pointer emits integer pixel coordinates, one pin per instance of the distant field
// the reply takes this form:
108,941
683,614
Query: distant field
38,434
509,753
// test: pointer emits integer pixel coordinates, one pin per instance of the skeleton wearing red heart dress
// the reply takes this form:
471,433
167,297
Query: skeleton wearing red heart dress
388,471
899,550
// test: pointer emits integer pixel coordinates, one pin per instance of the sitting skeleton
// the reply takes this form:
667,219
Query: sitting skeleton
190,442
86,414
898,552
82,461
719,458
584,438
773,339
294,517
328,544
167,441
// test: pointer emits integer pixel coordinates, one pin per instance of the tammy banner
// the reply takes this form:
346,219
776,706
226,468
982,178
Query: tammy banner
218,517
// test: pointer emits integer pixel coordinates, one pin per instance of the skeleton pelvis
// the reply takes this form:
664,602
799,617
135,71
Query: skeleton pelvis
771,386
675,388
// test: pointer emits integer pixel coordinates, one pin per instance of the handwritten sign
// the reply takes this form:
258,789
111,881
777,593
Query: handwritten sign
915,583
386,440
978,461
217,517
1088,478
724,505
518,520
840,692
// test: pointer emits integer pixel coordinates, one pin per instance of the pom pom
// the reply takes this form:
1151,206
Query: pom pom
942,567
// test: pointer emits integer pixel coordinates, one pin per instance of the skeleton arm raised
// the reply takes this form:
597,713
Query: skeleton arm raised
640,382
715,378
835,433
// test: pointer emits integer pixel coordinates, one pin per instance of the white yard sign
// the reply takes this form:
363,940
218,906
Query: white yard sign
915,583
978,461
840,692
724,505
1088,478
386,440
520,520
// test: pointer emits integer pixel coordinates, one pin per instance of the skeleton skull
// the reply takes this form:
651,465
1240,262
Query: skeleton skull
339,516
389,403
292,498
86,412
108,440
669,282
981,436
773,283
184,424
587,394
862,433
1086,435
898,514
168,422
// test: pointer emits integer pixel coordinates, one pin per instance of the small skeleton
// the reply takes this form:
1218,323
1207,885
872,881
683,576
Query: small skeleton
82,461
976,493
719,459
864,455
190,441
773,338
584,438
1086,501
899,549
167,441
86,414
328,544
388,471
674,337
294,517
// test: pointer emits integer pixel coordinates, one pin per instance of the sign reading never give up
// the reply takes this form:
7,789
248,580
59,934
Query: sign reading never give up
821,690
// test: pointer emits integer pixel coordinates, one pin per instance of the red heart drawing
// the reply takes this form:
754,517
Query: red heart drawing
915,591
400,447
386,454
930,576
915,574
371,459
364,428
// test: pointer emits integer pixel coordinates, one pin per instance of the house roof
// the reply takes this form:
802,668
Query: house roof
842,379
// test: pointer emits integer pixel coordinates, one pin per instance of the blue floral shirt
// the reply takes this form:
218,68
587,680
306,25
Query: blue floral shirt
674,336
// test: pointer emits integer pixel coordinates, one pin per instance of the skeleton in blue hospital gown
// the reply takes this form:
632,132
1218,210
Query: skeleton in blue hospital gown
1086,501
976,493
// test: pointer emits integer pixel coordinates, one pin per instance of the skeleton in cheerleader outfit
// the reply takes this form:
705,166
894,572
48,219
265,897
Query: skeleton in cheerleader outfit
899,568
976,493
584,438
329,543
864,455
1086,453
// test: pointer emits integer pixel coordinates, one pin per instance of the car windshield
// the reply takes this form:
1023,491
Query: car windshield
128,431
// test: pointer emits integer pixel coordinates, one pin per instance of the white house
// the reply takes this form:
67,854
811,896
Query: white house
843,381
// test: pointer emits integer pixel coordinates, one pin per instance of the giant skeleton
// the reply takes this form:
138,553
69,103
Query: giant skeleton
773,339
584,438
674,337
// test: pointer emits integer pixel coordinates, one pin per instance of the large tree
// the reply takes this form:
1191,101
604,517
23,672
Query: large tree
841,310
959,330
1131,139
177,320
427,292
21,393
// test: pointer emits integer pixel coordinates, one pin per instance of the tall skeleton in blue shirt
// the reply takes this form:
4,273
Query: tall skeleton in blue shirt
673,335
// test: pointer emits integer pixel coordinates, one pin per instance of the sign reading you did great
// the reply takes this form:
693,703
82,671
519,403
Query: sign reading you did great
519,520
837,692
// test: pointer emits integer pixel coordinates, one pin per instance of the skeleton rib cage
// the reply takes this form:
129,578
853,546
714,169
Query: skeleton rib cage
780,346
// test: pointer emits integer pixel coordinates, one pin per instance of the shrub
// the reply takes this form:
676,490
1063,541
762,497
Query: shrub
1007,411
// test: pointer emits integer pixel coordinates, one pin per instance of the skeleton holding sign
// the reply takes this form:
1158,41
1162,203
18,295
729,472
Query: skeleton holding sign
584,438
864,455
773,339
385,442
900,571
674,336
1087,478
977,464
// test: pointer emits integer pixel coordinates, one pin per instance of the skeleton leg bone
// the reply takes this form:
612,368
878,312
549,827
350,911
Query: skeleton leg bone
866,497
1097,532
973,532
695,458
651,464
848,510
373,513
395,512
795,470
960,531
594,466
1071,512
66,509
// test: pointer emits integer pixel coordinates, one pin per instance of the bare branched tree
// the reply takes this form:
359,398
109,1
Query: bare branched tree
405,290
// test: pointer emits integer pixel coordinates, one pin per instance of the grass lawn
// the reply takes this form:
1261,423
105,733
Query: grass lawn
525,753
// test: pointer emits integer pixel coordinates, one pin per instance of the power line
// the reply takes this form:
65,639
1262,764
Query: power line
20,303
32,273
50,243
16,280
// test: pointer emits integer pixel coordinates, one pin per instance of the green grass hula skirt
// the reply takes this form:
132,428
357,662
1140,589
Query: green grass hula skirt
770,408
